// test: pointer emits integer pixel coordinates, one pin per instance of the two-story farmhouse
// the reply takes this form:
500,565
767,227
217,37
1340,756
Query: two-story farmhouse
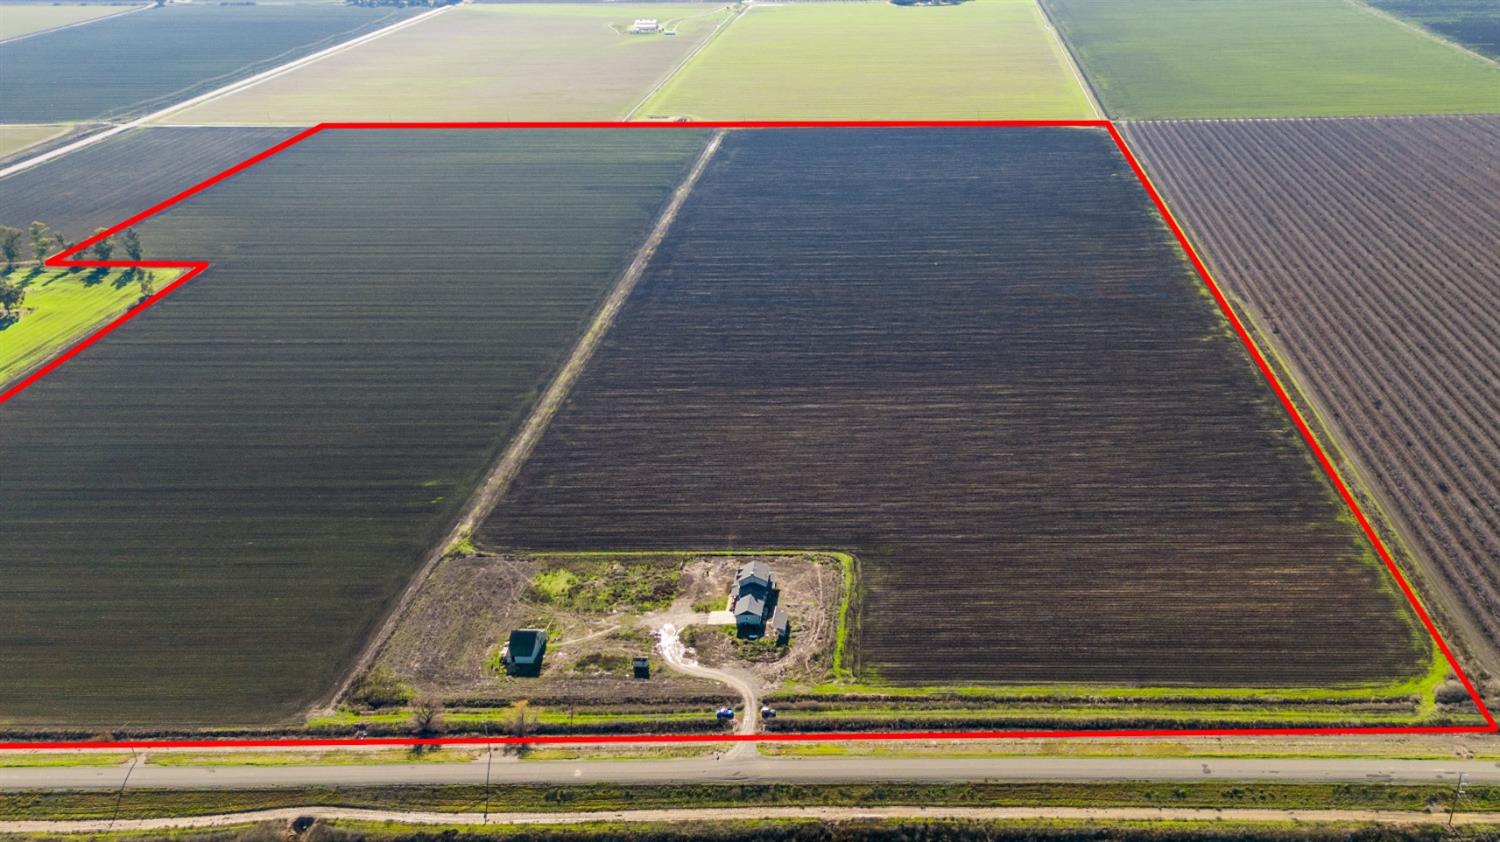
754,598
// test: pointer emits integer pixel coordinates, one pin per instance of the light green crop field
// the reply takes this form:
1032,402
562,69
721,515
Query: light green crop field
60,307
17,136
483,62
1266,58
982,59
22,18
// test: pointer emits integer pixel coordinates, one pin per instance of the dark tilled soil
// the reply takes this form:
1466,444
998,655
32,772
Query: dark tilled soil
977,359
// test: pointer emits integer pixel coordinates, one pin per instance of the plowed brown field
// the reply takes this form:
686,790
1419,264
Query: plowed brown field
979,361
1366,249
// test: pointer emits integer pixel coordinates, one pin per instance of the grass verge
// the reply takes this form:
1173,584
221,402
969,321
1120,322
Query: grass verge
147,803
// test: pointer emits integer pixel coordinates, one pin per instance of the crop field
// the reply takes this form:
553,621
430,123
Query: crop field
133,63
1364,249
24,18
1150,59
547,62
1027,419
16,137
1472,23
110,181
209,510
984,59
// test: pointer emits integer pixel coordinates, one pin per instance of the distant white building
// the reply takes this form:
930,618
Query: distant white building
646,26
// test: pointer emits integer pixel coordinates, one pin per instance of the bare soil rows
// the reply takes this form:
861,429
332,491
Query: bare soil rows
207,512
133,64
977,359
1366,248
120,177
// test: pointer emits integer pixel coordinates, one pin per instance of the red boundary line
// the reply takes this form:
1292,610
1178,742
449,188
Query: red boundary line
194,268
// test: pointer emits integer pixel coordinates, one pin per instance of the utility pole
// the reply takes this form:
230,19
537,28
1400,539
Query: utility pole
489,758
1458,792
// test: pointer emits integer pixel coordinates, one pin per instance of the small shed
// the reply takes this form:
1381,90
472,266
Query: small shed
645,26
642,667
522,654
781,626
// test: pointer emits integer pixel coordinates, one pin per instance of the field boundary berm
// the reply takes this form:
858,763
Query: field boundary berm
192,269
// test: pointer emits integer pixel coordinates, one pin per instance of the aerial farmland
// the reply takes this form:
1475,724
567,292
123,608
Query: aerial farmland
414,404
98,187
1152,59
499,62
92,72
991,59
842,430
798,373
31,19
288,486
110,181
1403,288
1474,24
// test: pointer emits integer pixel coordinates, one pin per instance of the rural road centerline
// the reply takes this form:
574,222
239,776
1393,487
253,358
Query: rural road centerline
508,465
719,814
231,88
732,768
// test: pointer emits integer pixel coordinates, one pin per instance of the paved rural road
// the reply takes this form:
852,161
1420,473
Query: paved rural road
754,768
231,88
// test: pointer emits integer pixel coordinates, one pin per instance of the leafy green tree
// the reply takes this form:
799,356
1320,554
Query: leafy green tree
104,248
10,245
61,245
11,296
132,243
41,244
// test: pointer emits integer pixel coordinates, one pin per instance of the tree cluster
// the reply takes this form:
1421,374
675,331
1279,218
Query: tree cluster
11,296
46,243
